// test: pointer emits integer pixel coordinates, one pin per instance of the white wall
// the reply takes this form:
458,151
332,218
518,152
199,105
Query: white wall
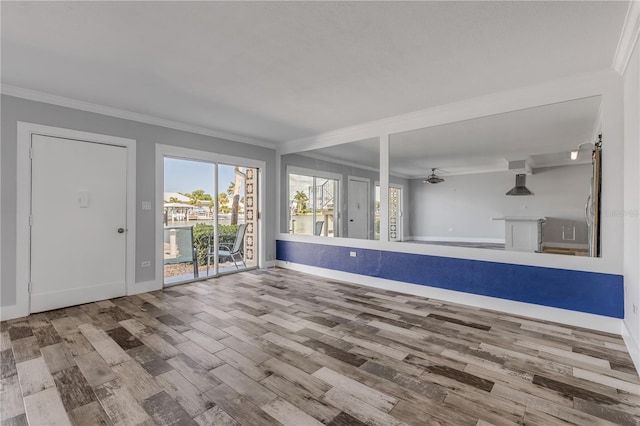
462,206
631,266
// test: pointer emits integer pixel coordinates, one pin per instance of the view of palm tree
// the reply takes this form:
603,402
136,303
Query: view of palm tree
301,200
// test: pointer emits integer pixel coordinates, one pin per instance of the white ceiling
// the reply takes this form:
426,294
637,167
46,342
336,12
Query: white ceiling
543,136
279,71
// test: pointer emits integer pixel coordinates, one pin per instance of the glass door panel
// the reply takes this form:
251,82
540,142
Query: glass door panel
207,234
237,218
188,217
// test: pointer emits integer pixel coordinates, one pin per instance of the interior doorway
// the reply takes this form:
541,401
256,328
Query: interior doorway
210,217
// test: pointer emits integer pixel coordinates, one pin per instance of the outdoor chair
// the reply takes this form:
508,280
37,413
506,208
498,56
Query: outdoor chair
228,250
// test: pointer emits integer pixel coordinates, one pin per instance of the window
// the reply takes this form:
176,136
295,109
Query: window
313,202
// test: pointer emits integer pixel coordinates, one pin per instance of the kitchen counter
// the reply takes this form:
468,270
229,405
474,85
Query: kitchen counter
522,233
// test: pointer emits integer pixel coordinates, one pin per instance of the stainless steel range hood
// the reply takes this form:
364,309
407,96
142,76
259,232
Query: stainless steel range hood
520,188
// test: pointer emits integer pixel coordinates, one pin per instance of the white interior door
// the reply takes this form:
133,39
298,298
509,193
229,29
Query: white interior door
78,232
358,209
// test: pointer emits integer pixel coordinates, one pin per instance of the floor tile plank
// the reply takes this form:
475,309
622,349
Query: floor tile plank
359,409
8,364
120,405
57,357
11,402
25,349
90,414
356,389
185,393
149,360
166,411
136,379
73,387
205,341
243,385
193,372
288,414
46,408
301,398
94,368
215,416
34,376
242,364
241,409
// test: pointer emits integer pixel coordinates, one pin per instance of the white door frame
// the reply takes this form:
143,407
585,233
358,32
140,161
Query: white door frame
370,232
23,206
209,157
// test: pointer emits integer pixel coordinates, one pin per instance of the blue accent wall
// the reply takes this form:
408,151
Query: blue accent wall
589,292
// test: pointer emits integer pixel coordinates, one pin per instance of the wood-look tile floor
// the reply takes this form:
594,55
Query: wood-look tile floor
271,347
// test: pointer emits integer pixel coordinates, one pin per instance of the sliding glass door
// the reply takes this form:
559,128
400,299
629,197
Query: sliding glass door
211,219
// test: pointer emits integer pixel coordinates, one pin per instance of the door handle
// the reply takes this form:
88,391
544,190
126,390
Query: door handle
350,220
120,230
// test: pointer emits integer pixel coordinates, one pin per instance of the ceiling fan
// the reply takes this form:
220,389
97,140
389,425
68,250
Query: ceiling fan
432,178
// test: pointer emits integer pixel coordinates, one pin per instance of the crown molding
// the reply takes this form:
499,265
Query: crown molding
322,157
628,37
34,95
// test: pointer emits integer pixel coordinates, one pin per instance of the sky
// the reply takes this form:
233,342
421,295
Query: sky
186,176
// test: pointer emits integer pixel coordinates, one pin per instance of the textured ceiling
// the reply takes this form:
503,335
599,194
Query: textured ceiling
279,71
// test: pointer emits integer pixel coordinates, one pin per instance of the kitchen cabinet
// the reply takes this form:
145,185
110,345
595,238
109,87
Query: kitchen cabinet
522,233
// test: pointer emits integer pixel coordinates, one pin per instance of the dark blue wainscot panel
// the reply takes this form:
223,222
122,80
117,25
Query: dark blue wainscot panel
588,292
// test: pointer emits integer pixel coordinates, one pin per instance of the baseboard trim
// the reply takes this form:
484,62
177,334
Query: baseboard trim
144,287
632,345
563,316
269,264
